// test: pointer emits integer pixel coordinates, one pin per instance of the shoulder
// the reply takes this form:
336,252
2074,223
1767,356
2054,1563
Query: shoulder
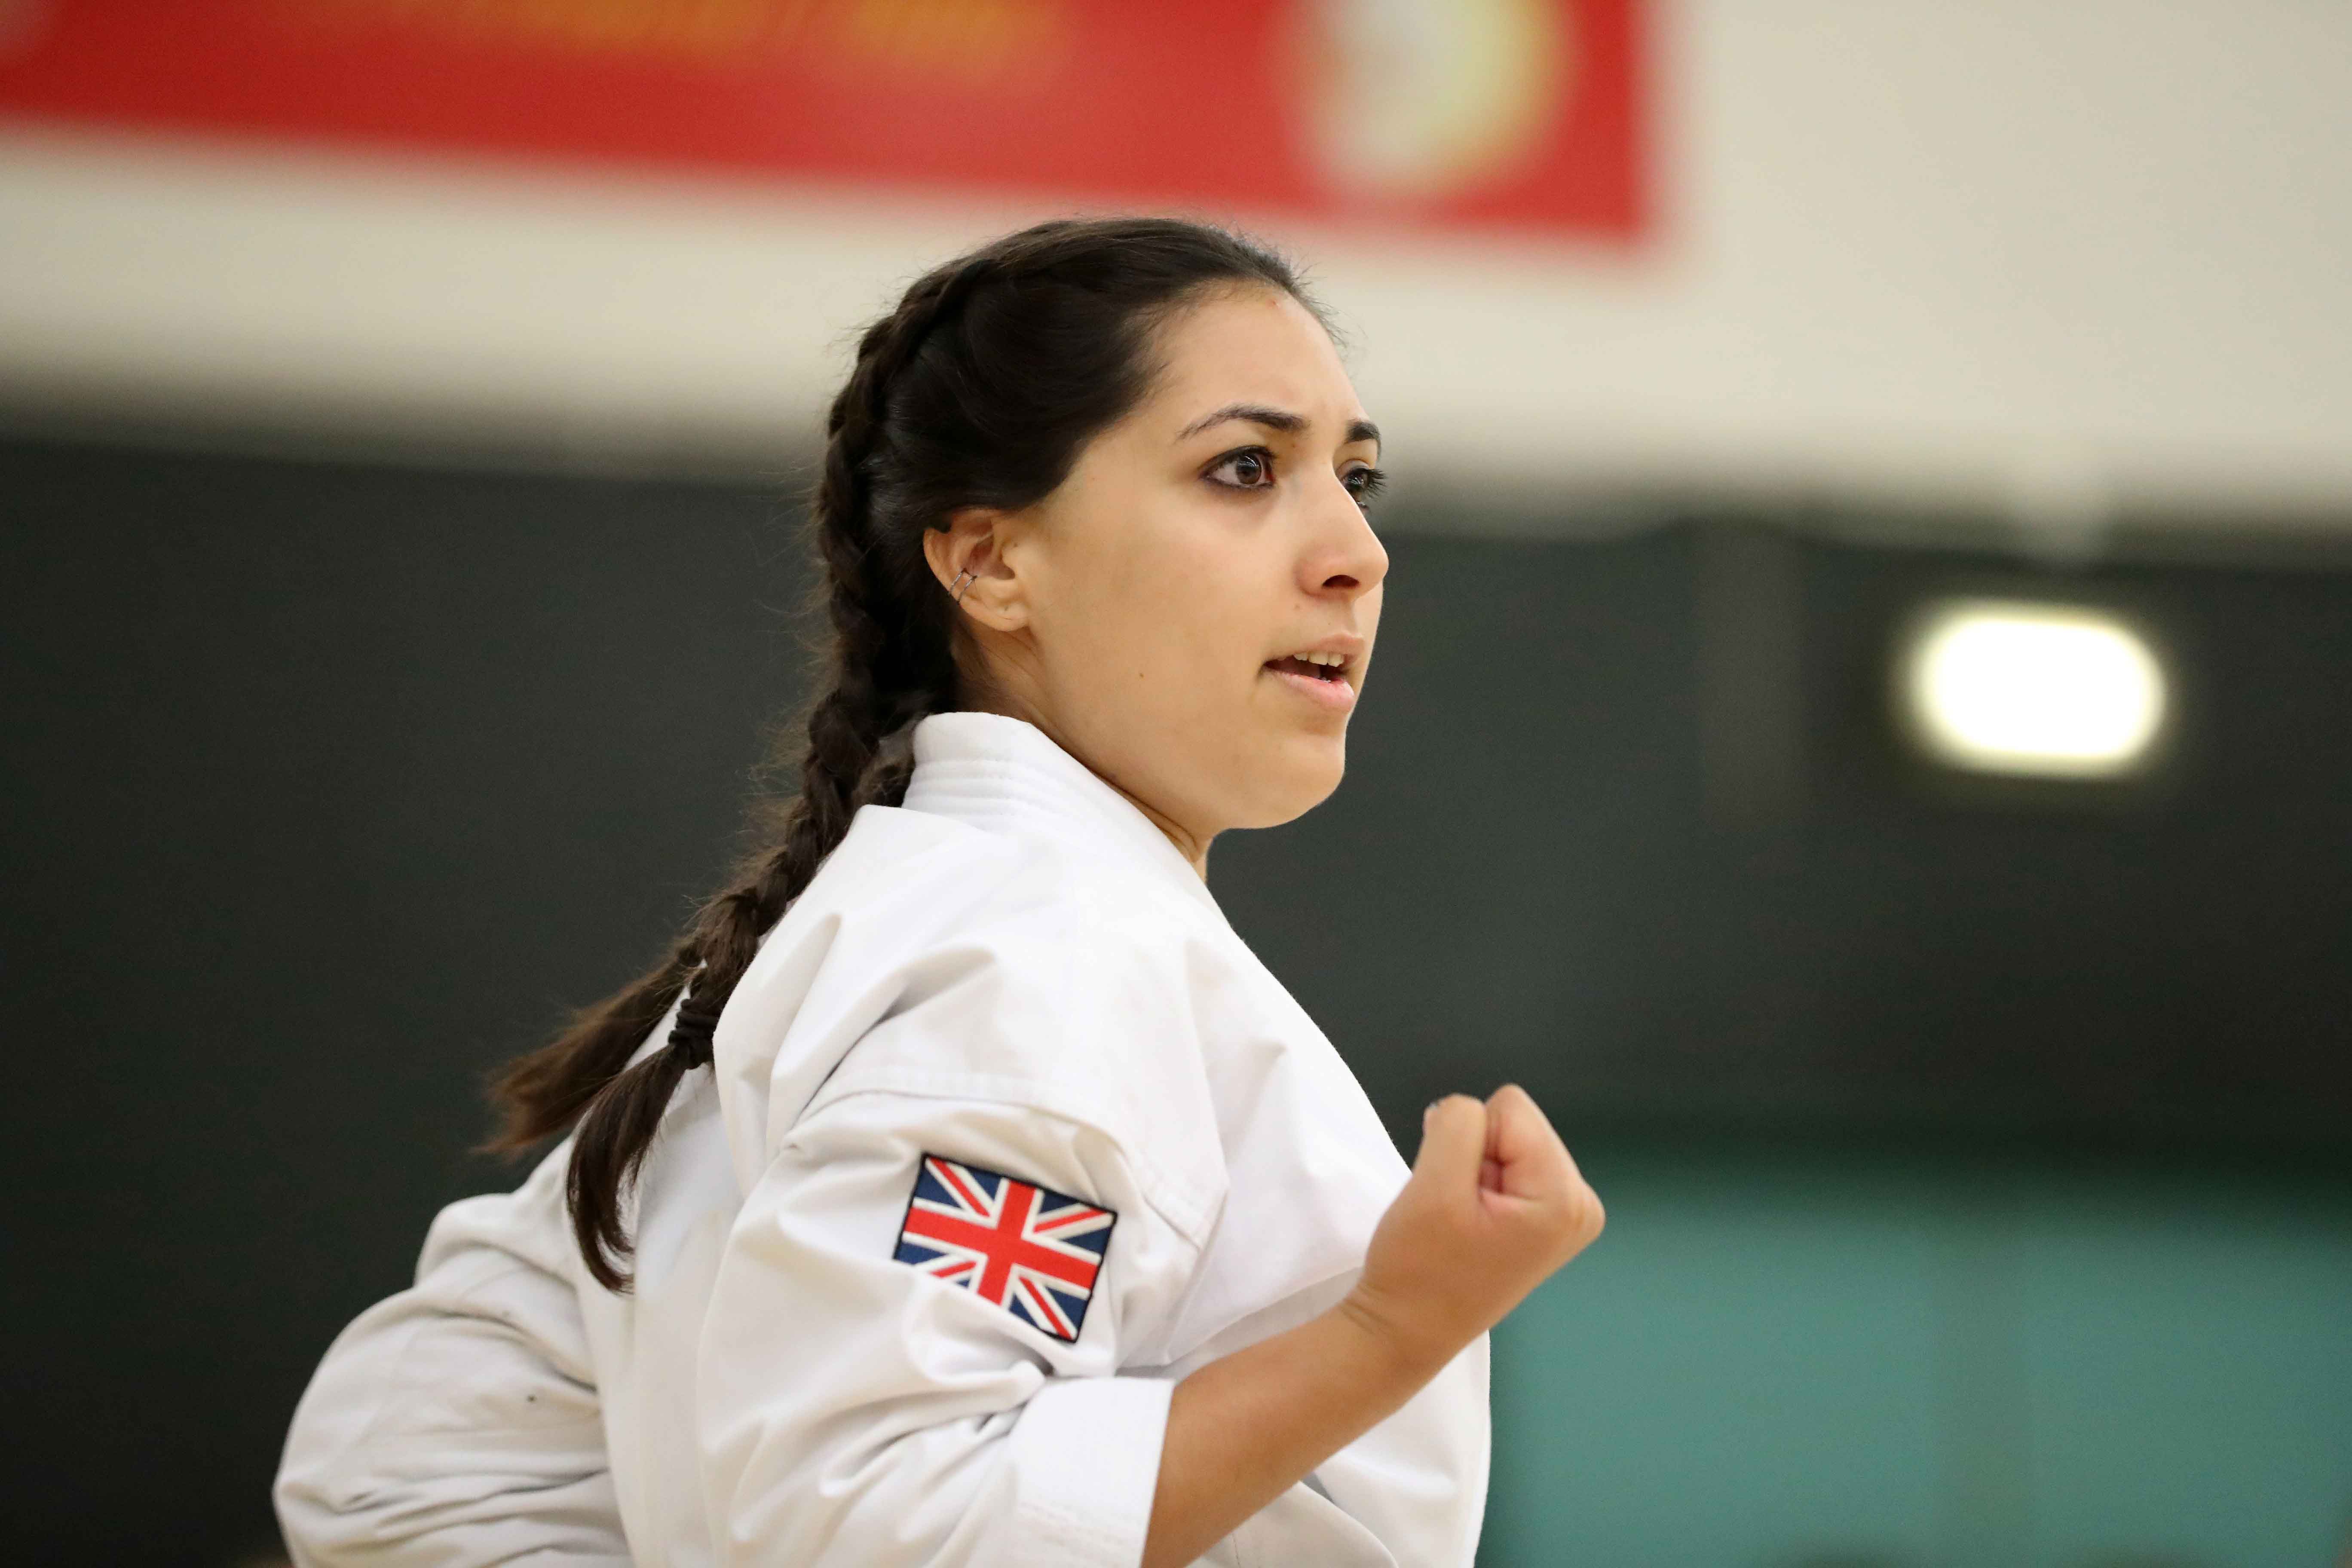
1064,996
1060,971
930,957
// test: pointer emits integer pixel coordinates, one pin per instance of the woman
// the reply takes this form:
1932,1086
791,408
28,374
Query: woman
1020,1216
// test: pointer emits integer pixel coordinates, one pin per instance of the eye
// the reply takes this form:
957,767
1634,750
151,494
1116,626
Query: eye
1251,469
1364,483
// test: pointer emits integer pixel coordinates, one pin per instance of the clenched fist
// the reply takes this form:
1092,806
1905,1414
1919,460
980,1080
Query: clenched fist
1493,1205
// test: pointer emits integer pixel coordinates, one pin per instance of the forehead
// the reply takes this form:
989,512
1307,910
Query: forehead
1249,345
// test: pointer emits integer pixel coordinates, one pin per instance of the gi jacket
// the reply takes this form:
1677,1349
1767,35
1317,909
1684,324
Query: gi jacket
1007,1132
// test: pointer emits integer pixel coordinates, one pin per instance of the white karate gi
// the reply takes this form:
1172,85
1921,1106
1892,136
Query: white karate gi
1016,972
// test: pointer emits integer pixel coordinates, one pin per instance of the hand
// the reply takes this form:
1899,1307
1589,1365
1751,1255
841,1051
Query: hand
1495,1205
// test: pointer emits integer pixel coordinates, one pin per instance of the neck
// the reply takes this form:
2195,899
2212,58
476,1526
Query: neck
1193,846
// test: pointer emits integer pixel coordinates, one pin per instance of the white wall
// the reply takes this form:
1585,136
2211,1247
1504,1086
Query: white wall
2055,257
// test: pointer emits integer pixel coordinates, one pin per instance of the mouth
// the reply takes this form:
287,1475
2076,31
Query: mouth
1322,678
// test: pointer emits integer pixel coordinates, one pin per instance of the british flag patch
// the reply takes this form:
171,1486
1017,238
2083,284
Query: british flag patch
1026,1248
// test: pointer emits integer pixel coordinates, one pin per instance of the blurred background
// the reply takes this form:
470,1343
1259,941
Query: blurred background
1861,729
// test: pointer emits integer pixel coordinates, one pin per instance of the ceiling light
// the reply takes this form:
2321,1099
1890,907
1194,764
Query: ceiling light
1993,686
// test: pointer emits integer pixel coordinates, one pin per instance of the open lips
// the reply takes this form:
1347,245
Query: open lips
1313,666
1321,676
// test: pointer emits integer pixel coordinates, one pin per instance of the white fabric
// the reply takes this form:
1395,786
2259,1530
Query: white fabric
1015,970
457,1423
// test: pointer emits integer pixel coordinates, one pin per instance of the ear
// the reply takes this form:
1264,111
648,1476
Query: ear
968,558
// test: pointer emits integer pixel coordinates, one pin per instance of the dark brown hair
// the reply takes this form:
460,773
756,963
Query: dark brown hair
978,390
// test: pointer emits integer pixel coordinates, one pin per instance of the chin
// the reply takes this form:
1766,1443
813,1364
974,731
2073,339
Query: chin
1300,775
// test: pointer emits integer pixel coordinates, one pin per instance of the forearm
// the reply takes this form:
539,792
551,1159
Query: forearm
1248,1426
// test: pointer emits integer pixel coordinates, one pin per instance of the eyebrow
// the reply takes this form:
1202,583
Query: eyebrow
1273,418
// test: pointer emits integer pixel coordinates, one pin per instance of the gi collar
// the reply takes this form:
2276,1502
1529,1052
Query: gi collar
1005,774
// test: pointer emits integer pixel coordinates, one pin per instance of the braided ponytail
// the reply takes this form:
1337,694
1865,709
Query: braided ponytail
978,390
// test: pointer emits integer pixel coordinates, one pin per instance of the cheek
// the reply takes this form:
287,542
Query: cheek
1166,609
1103,583
1220,622
1133,614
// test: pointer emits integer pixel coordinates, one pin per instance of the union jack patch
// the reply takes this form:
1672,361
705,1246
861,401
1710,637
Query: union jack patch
1026,1248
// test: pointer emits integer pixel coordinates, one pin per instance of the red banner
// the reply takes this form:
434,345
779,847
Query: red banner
1525,114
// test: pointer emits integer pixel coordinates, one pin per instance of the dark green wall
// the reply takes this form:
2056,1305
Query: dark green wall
332,785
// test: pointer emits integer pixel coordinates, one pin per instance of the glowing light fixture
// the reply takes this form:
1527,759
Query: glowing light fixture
1994,686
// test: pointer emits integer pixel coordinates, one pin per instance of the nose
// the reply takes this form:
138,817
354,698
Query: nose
1344,559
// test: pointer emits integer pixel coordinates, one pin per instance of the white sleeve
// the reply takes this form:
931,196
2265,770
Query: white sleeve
859,1411
1418,1480
457,1424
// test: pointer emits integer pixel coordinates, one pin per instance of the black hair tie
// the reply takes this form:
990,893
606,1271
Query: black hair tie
691,1037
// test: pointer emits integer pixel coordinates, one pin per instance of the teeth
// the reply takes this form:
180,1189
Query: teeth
1323,659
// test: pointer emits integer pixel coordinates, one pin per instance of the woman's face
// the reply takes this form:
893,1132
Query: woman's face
1191,612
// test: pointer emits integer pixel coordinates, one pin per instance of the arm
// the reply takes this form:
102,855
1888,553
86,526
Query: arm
862,1404
1493,1207
859,1410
